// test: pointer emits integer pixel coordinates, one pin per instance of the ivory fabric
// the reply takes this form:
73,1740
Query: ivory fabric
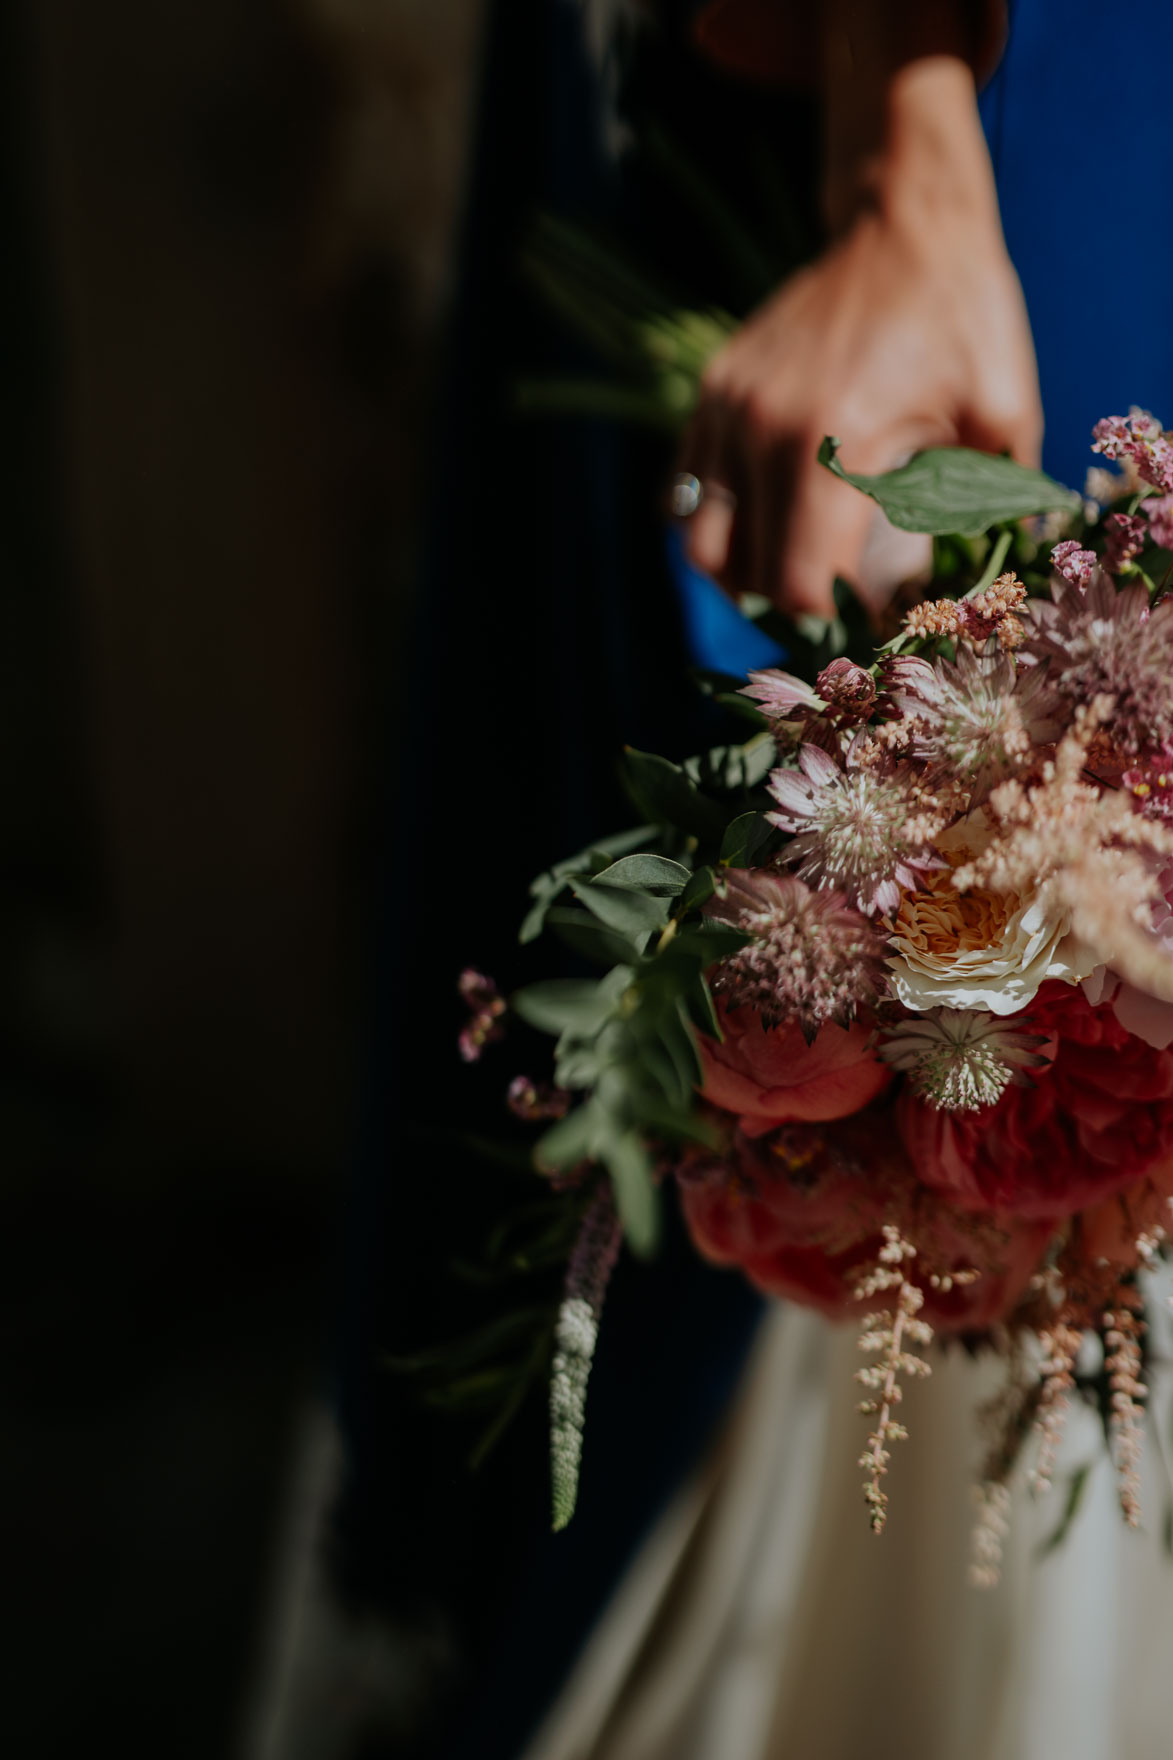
763,1621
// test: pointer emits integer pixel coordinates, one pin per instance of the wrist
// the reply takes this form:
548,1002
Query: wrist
911,149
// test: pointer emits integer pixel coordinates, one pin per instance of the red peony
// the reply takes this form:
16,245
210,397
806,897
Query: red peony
1088,1127
770,1076
802,1210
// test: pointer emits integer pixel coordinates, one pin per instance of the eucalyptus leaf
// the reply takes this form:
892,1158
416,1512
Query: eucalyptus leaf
558,1004
654,874
585,934
952,489
665,793
744,840
636,1197
569,1141
699,890
630,912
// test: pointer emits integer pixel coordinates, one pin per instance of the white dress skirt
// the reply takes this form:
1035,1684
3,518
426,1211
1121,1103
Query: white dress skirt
762,1620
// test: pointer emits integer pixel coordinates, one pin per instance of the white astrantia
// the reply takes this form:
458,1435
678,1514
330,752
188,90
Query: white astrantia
978,950
960,1060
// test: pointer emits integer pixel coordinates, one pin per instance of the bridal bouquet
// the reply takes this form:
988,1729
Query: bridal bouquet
888,997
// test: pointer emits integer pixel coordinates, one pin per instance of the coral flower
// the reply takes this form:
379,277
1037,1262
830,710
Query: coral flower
769,1076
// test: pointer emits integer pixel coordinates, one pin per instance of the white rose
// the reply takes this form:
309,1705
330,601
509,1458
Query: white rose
978,950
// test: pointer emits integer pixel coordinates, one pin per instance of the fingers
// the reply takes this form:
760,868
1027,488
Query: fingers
710,538
814,531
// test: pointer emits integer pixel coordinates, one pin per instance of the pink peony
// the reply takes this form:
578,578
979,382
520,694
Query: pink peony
769,1076
800,1212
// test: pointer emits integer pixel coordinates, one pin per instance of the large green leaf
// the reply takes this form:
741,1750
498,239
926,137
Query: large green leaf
951,489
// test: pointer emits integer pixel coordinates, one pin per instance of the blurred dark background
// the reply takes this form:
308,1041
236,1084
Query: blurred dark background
227,238
302,626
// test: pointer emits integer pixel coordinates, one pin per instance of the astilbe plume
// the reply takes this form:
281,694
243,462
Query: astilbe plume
858,829
1123,1330
812,957
592,1261
1086,856
1107,642
981,717
889,1331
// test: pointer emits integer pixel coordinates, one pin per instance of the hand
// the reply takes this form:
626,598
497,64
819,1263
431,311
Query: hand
909,332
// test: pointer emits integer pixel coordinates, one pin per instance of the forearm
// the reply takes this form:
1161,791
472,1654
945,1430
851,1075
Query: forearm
900,116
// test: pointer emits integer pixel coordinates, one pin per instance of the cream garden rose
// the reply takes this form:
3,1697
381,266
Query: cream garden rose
977,950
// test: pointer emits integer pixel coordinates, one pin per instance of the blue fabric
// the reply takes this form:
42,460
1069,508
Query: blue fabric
1076,118
718,637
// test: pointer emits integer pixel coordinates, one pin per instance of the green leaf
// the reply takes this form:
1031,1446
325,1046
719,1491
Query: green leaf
744,840
665,793
699,890
700,1007
708,941
545,889
631,913
655,874
593,939
569,1141
636,1198
951,489
1076,1486
557,1005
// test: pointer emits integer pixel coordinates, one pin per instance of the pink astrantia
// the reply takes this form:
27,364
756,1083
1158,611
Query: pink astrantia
981,716
856,830
1137,436
812,957
843,698
1107,642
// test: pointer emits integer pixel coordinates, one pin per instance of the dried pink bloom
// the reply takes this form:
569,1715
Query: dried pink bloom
847,688
1073,563
972,620
1138,437
980,717
1151,786
844,697
1158,510
812,958
536,1100
1105,642
486,1007
1126,539
864,832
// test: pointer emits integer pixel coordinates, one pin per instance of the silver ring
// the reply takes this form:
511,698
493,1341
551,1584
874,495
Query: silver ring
687,494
